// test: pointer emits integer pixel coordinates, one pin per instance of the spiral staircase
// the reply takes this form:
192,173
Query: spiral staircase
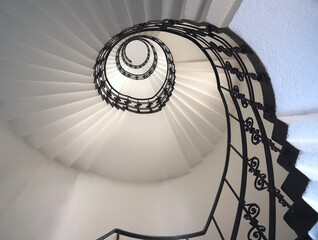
75,165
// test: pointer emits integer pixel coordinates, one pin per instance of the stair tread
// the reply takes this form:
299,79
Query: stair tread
196,10
83,14
209,132
123,21
304,135
138,89
61,12
30,72
27,125
37,39
42,21
155,142
105,15
15,51
200,143
190,153
44,134
307,163
57,145
204,88
197,66
72,152
18,108
88,156
136,11
153,9
21,89
174,119
208,101
208,114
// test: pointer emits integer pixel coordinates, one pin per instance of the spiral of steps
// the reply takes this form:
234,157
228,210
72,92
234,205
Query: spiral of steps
53,105
48,99
77,151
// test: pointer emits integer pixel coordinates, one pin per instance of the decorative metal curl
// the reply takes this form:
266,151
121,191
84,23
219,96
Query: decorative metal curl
256,138
244,101
261,77
248,124
253,164
260,182
229,51
256,233
252,211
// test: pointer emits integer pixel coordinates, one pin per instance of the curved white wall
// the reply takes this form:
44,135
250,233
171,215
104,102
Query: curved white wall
40,197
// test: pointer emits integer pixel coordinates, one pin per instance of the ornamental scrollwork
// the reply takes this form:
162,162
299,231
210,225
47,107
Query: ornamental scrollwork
230,50
252,211
244,101
253,164
256,233
260,183
260,77
256,137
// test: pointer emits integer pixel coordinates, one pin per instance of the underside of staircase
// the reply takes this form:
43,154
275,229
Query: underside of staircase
74,165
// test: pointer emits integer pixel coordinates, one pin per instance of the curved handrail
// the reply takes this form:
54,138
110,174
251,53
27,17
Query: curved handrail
122,51
215,42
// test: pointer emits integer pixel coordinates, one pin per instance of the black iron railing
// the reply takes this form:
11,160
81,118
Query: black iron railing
151,50
247,87
126,102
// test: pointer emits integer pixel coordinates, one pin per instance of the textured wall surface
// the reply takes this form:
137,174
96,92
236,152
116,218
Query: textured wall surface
284,35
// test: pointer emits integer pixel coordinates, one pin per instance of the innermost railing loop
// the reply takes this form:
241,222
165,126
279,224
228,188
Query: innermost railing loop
125,102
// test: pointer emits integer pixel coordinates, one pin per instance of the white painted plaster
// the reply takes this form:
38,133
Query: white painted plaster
284,35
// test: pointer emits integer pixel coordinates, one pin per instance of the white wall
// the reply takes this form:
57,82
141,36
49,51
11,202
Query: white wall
32,190
42,198
284,35
171,207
